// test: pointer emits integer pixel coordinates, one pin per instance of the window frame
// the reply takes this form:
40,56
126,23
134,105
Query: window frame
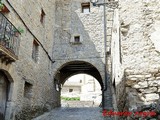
35,51
85,6
28,90
42,17
70,90
77,39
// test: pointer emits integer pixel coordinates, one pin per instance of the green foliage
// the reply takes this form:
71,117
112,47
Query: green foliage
20,30
70,98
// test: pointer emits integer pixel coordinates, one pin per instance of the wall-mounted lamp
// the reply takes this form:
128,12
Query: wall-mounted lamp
58,85
110,4
94,2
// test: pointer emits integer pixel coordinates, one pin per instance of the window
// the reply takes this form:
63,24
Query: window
42,16
27,90
77,39
70,90
35,51
85,7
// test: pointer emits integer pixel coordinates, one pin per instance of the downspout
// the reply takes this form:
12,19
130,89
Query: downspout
105,46
105,55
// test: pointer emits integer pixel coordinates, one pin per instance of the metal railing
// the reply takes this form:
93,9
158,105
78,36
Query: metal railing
9,35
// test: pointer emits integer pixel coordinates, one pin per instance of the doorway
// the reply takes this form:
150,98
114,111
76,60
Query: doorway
71,69
3,94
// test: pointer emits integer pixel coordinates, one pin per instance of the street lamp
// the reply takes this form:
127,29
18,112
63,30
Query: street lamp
94,2
113,5
109,3
58,85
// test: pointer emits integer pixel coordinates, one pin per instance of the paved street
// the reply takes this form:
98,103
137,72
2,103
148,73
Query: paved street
73,114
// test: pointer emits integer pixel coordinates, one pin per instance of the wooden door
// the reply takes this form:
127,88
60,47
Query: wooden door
3,95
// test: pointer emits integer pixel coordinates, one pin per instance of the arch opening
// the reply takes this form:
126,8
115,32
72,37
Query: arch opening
81,90
66,71
76,67
5,92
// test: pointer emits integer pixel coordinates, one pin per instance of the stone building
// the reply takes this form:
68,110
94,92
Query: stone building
83,86
135,53
26,40
78,45
42,44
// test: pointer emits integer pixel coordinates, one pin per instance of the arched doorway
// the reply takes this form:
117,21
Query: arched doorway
72,68
4,85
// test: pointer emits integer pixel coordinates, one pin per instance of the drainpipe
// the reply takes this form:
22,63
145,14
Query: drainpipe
105,46
105,55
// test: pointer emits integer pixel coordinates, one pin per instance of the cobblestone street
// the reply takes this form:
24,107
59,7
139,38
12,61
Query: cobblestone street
73,114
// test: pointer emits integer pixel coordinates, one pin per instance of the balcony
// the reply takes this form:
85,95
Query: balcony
9,41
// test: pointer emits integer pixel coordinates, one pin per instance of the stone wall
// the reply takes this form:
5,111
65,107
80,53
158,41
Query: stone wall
139,25
25,72
71,22
142,88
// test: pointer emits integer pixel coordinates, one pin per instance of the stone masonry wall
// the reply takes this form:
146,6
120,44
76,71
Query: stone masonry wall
70,22
139,20
25,69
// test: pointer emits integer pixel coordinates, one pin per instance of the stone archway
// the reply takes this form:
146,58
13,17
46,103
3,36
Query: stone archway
6,85
76,67
72,68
